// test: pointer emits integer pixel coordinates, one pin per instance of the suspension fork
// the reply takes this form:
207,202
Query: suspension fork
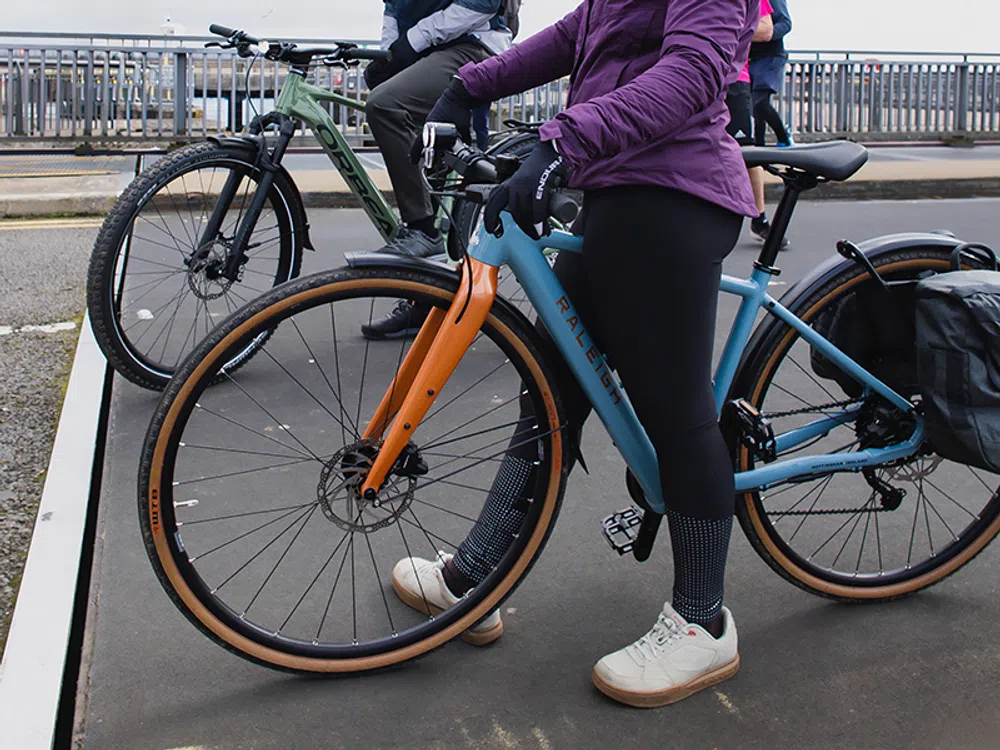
269,164
430,371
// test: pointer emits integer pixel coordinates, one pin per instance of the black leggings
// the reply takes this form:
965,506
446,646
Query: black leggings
646,288
765,114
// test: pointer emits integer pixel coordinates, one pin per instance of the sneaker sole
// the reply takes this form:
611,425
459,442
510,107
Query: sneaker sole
407,332
670,695
473,637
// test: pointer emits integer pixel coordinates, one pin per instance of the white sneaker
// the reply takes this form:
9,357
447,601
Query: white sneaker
672,661
420,584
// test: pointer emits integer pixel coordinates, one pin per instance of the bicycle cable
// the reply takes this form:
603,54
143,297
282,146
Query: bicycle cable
463,244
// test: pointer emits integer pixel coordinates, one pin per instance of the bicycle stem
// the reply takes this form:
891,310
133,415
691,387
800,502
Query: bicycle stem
462,322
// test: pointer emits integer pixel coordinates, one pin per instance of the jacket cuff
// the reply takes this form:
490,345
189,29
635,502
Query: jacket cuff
569,147
472,80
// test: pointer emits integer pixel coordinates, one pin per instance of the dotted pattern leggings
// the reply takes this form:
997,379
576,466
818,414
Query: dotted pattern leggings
646,288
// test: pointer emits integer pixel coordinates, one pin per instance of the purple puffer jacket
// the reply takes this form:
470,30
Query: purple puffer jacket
647,96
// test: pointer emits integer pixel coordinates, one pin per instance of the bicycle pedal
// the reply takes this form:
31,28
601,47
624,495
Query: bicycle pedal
621,529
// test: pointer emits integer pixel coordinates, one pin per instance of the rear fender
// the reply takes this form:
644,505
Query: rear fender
874,249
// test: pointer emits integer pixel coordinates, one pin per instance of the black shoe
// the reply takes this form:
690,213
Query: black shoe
405,319
414,244
762,230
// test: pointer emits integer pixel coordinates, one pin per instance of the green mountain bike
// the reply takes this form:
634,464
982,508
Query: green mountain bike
211,226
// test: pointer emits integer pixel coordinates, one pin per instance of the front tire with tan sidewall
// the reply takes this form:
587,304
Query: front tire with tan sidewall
289,604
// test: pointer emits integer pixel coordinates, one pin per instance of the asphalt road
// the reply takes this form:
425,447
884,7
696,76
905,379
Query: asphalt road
919,673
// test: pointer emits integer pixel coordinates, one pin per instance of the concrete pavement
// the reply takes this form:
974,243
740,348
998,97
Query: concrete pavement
919,673
893,173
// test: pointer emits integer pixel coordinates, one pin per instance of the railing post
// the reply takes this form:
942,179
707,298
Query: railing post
180,93
841,93
88,95
26,95
962,99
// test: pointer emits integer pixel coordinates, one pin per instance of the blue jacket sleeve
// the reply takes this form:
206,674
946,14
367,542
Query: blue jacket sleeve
782,21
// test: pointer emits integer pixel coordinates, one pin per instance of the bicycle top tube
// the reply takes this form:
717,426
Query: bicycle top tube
607,394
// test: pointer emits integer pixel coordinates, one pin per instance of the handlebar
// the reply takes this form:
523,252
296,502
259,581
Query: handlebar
480,170
291,53
367,54
221,30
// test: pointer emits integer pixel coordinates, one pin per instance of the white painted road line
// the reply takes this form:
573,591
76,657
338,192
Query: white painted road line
31,674
66,325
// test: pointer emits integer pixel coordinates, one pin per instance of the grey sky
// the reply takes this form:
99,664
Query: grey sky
961,25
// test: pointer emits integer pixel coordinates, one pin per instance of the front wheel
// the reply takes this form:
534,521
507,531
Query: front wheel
154,287
886,533
249,495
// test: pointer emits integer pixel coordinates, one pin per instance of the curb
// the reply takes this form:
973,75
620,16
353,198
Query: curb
896,190
56,204
98,204
35,659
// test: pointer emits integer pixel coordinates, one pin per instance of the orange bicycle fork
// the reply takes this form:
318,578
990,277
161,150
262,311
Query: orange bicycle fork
440,345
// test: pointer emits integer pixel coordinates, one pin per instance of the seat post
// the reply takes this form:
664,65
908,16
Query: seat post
796,183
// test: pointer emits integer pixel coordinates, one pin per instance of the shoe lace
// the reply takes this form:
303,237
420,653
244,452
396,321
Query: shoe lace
405,308
665,631
399,241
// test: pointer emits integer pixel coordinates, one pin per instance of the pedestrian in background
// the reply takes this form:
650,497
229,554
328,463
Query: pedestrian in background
767,74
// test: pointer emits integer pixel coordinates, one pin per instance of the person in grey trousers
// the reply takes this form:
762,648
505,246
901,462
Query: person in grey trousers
429,40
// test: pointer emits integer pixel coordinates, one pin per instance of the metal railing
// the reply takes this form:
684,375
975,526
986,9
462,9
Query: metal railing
129,88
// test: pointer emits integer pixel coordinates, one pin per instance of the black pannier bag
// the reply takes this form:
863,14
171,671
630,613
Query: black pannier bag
873,325
958,364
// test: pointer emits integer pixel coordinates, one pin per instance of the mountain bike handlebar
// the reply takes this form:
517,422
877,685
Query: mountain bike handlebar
292,54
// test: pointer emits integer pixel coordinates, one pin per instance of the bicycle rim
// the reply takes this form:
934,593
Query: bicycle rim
839,535
165,299
264,549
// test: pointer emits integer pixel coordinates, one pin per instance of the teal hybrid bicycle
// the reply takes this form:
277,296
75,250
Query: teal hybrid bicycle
210,226
274,505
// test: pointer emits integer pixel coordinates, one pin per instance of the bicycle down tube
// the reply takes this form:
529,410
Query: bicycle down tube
300,100
589,366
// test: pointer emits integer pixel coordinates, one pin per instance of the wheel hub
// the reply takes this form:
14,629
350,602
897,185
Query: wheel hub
339,490
204,274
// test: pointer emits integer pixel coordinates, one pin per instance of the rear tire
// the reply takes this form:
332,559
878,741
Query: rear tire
942,537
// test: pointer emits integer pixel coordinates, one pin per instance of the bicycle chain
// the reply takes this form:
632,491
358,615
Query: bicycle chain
824,511
805,410
828,511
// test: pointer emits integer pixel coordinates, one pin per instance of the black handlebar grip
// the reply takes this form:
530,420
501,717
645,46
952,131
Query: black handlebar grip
369,54
563,208
220,30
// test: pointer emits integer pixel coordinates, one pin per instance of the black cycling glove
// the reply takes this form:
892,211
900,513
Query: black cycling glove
527,194
377,73
454,106
402,56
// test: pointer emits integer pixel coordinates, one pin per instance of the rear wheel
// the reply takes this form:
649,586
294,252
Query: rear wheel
854,536
249,499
